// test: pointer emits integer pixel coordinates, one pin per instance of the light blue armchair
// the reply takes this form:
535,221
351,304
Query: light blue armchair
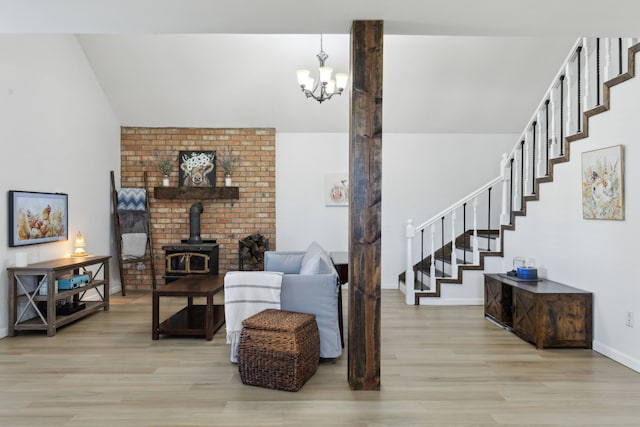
310,285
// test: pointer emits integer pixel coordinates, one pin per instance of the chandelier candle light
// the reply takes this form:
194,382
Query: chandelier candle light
327,85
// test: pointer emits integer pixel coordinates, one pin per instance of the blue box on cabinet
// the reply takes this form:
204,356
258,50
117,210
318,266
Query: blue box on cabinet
72,282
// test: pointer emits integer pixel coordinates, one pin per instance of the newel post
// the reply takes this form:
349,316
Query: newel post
409,278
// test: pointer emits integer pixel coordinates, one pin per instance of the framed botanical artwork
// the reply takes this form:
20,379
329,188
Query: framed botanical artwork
197,168
37,217
603,183
336,189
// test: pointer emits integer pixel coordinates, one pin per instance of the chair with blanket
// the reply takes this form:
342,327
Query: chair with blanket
308,284
132,228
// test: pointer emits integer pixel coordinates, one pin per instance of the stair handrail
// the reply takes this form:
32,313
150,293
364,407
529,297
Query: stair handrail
547,93
459,203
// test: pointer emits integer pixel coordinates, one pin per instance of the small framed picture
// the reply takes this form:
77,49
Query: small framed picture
336,189
603,183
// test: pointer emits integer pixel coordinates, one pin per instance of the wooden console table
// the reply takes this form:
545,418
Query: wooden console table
545,313
45,274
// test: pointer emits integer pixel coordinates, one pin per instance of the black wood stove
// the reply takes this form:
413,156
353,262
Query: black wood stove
193,255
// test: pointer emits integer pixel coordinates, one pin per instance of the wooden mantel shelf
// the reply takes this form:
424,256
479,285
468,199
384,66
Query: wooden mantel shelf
196,192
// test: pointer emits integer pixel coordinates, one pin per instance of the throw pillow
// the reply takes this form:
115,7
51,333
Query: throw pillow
325,266
311,260
285,263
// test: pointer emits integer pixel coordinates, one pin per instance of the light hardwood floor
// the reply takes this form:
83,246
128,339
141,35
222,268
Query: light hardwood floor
441,366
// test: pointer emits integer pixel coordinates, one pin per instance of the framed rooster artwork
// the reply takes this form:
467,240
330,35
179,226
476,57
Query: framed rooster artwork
37,217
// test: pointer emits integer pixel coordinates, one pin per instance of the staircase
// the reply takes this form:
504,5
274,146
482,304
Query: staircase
452,242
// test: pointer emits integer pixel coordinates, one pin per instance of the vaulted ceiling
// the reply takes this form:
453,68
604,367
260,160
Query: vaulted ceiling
450,66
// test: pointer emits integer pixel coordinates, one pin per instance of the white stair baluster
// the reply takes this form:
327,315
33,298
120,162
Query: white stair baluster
516,181
552,131
432,269
527,163
568,98
504,212
454,257
606,55
587,101
476,250
539,144
409,279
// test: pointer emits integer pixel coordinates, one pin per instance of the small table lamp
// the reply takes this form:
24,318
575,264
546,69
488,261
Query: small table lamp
79,246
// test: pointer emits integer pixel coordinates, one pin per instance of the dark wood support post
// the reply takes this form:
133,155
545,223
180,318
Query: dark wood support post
365,201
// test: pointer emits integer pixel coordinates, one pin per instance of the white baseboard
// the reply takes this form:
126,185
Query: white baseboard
619,357
4,332
389,286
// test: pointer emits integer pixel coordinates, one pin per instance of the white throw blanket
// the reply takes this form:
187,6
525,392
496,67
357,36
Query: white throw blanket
247,293
134,245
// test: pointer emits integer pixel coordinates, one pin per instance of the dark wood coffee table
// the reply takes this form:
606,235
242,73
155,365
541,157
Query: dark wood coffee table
192,319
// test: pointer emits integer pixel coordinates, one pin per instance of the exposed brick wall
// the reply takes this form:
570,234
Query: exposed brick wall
226,221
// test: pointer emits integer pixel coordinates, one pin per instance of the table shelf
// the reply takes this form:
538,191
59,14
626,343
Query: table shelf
192,320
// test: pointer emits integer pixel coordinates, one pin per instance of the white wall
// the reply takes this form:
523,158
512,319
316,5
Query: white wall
58,134
424,174
302,160
596,255
421,175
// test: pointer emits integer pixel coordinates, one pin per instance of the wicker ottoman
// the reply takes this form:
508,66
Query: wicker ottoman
278,349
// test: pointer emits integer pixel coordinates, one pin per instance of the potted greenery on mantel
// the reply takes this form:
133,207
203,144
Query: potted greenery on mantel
228,161
164,166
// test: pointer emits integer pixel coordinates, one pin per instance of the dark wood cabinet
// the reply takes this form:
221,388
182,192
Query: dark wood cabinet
524,315
545,313
497,301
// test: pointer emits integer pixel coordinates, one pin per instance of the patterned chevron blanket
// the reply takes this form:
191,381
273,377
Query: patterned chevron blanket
132,199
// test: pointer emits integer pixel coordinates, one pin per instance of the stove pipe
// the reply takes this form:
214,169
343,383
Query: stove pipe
194,223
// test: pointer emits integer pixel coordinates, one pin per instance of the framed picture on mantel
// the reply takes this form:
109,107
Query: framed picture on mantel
603,183
197,169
